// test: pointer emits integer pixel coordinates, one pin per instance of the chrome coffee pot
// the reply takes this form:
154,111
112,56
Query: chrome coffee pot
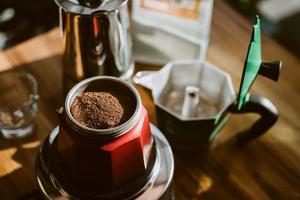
96,39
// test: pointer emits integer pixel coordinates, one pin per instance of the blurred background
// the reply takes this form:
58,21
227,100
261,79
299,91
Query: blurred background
20,20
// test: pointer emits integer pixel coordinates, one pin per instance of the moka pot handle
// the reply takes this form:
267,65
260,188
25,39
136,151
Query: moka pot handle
268,117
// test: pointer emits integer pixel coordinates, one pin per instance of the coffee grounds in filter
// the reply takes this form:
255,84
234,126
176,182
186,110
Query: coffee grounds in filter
98,110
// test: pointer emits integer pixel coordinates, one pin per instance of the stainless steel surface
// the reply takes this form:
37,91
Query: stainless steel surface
159,185
144,78
96,39
89,7
190,102
99,83
168,87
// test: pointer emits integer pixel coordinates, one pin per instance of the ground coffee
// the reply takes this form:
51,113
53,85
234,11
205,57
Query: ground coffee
99,110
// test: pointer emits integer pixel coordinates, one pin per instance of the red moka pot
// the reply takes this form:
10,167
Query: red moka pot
116,161
130,161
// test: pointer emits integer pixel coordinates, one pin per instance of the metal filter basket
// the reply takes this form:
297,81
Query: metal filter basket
130,161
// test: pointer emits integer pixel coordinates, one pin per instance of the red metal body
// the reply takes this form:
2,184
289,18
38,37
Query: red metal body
108,164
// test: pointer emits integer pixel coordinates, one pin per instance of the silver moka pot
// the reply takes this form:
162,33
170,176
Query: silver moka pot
96,39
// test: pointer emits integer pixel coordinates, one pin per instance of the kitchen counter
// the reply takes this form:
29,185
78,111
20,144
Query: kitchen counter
267,168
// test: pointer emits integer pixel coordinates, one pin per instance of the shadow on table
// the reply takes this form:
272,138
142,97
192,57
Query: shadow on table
20,157
17,157
199,174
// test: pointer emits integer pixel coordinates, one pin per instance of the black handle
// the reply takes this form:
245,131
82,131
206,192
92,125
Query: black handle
271,69
268,117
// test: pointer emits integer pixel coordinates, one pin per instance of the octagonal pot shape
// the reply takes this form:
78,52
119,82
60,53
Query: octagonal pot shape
169,85
193,100
128,161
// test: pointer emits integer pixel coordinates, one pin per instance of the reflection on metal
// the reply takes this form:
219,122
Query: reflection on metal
158,185
190,102
96,40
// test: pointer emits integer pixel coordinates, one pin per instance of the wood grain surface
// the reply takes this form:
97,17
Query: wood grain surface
268,168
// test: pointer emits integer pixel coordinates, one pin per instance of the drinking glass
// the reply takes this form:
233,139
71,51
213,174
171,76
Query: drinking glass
18,103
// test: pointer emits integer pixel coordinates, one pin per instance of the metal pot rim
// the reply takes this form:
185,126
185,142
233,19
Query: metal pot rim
72,7
110,132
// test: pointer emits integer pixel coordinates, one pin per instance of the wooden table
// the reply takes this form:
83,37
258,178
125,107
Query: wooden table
268,168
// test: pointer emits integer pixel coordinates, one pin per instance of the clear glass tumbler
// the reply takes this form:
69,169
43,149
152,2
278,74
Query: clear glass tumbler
18,103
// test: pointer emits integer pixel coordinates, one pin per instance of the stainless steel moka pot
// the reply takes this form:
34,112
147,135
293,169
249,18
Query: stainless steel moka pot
193,99
96,39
